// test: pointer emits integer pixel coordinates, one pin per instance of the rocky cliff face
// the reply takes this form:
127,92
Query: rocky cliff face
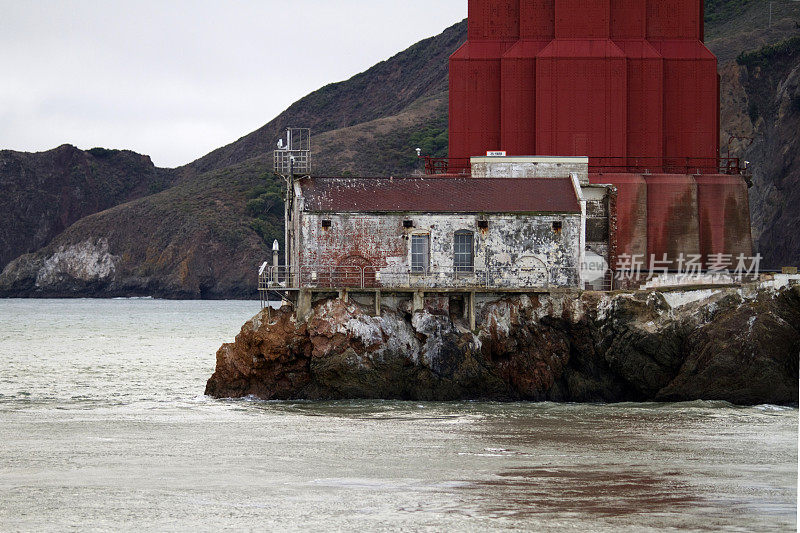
193,240
45,193
771,79
739,345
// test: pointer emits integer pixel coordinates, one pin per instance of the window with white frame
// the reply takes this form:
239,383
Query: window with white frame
464,252
420,252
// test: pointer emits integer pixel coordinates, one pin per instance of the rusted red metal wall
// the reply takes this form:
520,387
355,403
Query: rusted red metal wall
582,19
645,98
518,101
724,218
518,75
537,20
690,102
645,73
631,212
673,229
628,19
581,99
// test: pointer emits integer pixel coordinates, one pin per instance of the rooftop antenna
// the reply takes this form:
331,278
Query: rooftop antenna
294,153
292,157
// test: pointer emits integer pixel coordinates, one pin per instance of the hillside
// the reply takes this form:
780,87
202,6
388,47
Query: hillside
204,235
760,65
385,90
45,193
771,78
193,240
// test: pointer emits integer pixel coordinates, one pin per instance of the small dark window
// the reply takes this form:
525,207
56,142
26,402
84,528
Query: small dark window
483,224
408,224
557,226
326,224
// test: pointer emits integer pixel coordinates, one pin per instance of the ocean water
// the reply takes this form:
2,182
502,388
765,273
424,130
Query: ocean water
104,427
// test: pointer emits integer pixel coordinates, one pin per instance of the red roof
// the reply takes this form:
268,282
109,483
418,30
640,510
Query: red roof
440,195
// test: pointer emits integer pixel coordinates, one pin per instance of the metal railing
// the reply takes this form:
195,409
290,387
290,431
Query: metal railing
295,155
448,165
280,280
339,277
354,277
667,165
653,165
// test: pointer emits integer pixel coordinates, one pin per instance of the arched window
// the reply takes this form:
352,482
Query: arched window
464,251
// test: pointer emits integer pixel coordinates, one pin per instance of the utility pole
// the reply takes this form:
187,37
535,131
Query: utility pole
287,234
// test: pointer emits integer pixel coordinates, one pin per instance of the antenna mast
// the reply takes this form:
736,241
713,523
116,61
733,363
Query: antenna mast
297,149
293,157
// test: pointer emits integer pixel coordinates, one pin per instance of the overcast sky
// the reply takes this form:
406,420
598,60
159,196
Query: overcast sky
175,79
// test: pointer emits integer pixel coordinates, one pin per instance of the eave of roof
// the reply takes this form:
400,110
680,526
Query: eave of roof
529,196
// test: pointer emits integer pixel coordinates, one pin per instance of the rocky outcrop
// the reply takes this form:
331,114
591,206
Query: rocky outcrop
774,94
45,193
74,267
193,241
739,345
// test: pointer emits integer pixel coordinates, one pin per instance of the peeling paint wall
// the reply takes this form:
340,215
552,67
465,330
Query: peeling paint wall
597,220
513,250
531,167
598,226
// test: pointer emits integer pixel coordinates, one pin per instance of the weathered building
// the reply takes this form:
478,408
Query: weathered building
437,232
598,202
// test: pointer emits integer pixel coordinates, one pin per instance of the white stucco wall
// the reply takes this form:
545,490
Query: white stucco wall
531,167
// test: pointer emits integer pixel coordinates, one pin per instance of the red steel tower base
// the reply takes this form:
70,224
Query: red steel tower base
629,84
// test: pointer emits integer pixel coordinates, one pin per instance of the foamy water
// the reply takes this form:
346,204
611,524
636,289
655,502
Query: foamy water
104,427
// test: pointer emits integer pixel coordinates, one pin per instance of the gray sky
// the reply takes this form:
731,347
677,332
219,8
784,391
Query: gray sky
175,79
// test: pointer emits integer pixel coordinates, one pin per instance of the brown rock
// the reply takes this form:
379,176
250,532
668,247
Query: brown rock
739,345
